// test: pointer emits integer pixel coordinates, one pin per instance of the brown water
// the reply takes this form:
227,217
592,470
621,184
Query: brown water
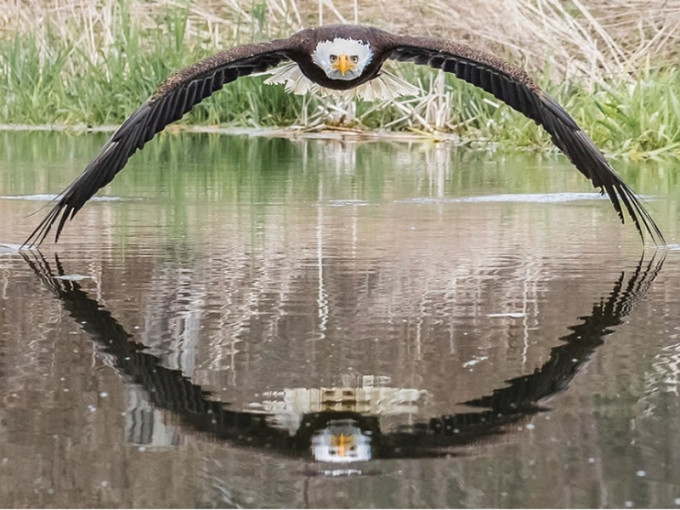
264,322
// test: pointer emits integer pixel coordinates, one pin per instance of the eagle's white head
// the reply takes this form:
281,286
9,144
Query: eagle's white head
342,59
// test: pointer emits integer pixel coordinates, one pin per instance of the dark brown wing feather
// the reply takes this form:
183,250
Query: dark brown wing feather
175,97
515,88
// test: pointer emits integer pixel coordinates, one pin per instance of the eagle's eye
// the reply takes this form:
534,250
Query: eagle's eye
354,59
333,58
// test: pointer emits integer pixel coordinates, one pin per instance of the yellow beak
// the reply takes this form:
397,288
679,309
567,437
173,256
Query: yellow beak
343,64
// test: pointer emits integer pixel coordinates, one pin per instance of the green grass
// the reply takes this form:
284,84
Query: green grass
55,82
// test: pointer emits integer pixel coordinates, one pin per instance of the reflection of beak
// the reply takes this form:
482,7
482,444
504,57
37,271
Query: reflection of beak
343,64
342,442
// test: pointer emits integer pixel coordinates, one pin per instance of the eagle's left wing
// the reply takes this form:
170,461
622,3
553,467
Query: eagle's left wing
515,88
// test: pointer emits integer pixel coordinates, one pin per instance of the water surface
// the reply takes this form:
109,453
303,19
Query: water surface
245,321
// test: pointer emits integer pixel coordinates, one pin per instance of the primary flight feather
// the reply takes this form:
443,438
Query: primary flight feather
344,57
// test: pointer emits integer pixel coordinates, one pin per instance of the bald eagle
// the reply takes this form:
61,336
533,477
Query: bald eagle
340,58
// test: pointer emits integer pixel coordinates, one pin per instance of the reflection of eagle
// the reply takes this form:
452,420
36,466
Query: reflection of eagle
350,431
344,57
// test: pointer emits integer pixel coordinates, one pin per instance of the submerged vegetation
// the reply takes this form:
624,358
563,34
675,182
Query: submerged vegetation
92,64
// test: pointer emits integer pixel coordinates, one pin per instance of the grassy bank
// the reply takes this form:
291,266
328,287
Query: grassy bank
94,68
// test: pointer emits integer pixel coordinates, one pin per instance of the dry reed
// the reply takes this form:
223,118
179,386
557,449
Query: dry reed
586,40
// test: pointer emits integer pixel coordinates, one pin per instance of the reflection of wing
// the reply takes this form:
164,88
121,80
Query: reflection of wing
517,89
522,395
566,360
179,94
166,388
171,390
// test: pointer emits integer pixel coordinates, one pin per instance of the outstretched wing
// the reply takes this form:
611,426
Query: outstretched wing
176,96
515,88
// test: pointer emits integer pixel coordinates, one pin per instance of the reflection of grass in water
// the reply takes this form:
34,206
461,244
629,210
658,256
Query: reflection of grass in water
96,69
191,181
197,165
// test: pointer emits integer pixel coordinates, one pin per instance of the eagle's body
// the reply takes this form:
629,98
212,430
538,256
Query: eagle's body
344,57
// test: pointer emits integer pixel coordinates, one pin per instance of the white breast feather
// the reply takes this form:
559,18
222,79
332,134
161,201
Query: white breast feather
386,86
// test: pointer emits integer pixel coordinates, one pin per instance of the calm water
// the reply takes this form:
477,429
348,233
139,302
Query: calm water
265,322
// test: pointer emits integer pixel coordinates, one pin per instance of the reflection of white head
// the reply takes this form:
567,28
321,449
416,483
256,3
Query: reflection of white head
341,441
342,59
